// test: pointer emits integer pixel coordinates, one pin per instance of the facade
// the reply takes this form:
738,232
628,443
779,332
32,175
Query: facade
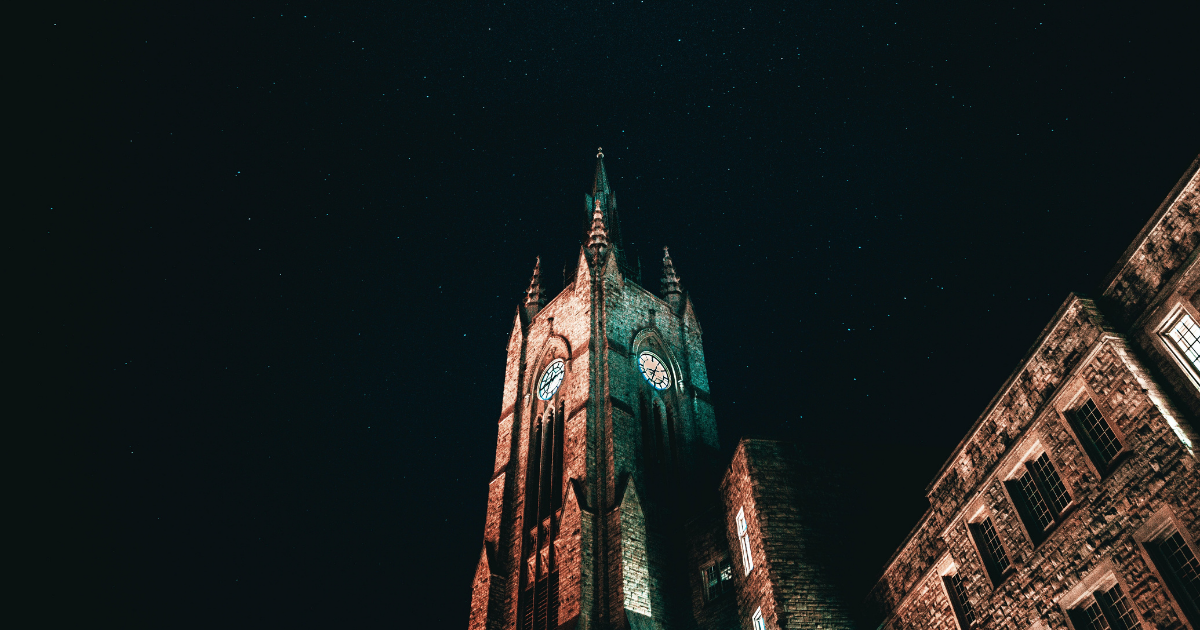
1074,499
608,507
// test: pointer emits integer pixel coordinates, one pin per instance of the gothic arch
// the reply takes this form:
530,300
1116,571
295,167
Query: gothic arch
555,347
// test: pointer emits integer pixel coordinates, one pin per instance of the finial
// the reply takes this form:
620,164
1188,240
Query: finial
670,281
533,296
599,152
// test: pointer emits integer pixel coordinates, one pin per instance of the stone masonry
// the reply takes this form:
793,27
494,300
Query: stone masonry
1072,502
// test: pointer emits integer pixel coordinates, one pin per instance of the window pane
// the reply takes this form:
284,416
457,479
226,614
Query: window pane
726,570
1186,334
960,593
1095,619
747,562
1053,483
1184,565
1096,428
1033,497
1120,612
759,622
992,542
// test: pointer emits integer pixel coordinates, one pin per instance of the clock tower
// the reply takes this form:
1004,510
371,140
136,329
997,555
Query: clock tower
606,444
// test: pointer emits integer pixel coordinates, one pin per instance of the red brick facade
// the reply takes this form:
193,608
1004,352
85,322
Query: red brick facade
1063,505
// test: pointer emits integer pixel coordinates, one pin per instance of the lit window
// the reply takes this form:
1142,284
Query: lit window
744,541
1102,442
1186,335
759,622
718,579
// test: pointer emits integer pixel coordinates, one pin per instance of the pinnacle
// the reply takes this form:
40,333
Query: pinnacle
670,279
598,235
533,296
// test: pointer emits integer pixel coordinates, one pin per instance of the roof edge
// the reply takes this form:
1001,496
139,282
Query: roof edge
1155,219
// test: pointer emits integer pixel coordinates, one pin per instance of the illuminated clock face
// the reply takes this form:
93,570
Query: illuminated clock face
551,379
655,370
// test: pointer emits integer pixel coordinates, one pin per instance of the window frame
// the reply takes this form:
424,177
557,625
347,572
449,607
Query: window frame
1181,309
1103,579
723,588
1085,440
757,621
990,566
1152,533
1074,395
1017,495
743,533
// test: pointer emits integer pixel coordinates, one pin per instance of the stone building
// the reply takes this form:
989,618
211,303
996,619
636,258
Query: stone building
608,507
1072,502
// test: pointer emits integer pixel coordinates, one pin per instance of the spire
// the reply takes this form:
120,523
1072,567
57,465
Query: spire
598,234
670,281
533,297
600,187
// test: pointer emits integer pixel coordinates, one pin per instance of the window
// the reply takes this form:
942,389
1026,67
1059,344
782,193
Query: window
1040,496
1105,610
744,541
759,622
1185,335
995,560
958,599
717,578
1097,435
1178,563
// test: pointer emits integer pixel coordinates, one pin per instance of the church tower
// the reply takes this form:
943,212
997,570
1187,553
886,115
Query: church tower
606,444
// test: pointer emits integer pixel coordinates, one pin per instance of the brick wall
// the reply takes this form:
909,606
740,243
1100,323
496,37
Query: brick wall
786,507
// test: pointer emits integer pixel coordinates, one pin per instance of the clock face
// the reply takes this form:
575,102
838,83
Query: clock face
551,379
655,370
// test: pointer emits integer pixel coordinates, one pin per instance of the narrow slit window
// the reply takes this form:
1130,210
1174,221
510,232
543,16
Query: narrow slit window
759,622
1186,335
743,532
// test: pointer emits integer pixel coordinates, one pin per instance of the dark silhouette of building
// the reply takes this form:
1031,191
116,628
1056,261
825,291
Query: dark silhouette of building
1072,500
608,508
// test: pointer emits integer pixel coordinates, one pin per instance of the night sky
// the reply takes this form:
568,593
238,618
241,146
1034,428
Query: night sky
291,238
